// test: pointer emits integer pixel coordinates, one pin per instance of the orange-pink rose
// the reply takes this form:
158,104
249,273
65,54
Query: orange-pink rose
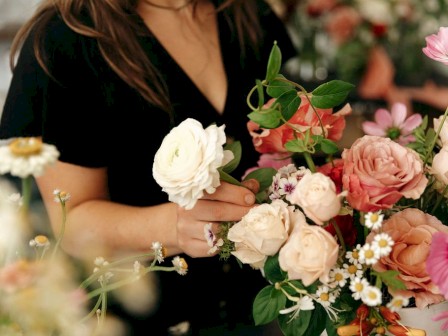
378,172
305,118
412,231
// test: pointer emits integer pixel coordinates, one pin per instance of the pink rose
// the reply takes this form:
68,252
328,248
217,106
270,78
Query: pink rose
412,231
379,171
261,232
316,195
309,254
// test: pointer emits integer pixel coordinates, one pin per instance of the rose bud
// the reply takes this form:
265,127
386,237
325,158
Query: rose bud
389,315
399,330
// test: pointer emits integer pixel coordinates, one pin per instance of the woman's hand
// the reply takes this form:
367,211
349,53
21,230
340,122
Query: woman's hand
228,203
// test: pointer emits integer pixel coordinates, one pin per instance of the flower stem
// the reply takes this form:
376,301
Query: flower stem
309,161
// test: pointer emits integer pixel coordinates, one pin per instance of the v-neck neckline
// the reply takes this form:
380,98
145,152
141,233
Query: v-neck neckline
167,56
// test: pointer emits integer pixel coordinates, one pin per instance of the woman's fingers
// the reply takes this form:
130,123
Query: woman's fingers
231,193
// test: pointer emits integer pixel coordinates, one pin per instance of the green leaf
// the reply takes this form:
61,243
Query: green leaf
328,146
318,321
296,146
267,304
391,280
267,118
296,327
272,270
274,62
228,178
331,94
235,148
263,176
290,102
277,86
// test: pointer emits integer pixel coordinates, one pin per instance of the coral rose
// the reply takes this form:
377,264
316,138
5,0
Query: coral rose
412,231
309,254
378,172
305,118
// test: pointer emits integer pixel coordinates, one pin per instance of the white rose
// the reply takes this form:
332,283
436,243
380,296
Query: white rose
187,162
316,195
443,135
261,232
309,254
440,166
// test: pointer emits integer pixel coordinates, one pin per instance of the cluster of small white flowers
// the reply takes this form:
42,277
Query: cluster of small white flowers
285,181
100,262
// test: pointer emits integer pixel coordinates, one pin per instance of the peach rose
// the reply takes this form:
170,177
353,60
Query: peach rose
309,254
412,231
261,232
443,135
439,167
316,195
378,172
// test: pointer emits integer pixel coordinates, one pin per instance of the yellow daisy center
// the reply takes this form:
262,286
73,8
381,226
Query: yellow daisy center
41,239
374,217
359,287
382,243
352,269
26,146
369,254
338,277
324,296
355,254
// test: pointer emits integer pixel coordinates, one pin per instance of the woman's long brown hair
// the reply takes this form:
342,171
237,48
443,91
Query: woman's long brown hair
116,30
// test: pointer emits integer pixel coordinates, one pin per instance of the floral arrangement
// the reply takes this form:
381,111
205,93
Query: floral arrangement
339,35
41,288
344,244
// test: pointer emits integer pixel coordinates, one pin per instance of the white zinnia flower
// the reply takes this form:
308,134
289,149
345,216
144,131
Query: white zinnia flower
374,220
397,303
24,157
357,286
188,159
371,296
383,243
369,254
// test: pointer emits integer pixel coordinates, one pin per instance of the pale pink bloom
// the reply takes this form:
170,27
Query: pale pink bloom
442,316
378,172
393,124
437,261
437,46
342,23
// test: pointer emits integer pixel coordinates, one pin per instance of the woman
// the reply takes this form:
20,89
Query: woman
104,81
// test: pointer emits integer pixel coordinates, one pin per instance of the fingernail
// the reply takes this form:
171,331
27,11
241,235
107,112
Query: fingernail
249,199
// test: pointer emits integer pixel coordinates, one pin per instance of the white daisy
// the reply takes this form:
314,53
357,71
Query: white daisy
24,157
61,196
324,296
368,254
354,270
338,277
357,286
180,265
158,251
353,256
371,296
373,220
383,243
397,303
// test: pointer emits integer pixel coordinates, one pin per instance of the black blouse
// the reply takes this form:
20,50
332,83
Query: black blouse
96,120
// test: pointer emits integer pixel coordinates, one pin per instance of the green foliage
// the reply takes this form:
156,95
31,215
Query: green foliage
331,94
266,118
390,279
274,62
297,326
267,304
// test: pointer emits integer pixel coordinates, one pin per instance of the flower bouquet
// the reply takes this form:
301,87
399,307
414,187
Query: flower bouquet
343,243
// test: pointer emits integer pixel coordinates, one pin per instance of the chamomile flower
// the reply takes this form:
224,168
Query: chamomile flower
40,241
353,270
369,254
353,255
159,252
324,296
371,296
338,277
383,243
397,303
373,220
24,157
357,286
61,196
180,265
